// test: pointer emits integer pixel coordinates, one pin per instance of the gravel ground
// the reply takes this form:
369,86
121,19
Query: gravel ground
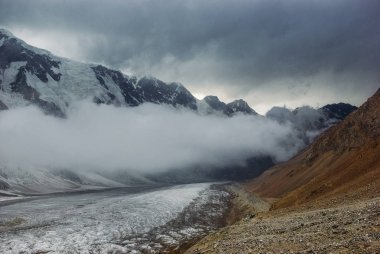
345,228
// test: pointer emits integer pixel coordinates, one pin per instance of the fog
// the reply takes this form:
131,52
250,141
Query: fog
147,139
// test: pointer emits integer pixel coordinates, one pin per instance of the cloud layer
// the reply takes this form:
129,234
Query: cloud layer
267,51
145,139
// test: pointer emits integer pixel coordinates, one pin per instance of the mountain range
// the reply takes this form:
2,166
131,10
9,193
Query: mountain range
33,76
30,75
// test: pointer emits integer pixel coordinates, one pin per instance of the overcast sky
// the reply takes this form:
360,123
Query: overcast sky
268,52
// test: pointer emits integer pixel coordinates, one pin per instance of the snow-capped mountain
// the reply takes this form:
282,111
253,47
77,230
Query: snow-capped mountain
212,105
30,75
241,106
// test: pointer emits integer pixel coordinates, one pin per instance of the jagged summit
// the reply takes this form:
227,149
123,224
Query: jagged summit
338,110
241,105
7,36
34,76
5,32
217,105
236,107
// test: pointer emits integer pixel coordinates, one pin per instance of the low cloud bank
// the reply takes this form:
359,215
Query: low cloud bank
147,139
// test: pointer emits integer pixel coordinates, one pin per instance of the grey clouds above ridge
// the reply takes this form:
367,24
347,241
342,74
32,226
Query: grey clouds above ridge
267,52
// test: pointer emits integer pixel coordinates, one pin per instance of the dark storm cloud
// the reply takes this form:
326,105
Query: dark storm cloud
237,46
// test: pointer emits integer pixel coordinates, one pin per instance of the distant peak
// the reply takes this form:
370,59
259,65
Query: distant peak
211,98
15,40
238,102
241,105
4,31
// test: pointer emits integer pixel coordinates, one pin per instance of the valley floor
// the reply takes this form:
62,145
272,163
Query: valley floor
333,227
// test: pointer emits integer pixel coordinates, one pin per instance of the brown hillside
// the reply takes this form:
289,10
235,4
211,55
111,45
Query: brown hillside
342,161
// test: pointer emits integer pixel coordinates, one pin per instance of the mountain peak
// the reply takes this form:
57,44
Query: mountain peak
212,98
10,40
237,106
242,106
337,110
5,32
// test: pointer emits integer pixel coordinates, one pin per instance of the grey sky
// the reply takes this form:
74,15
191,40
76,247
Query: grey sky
268,52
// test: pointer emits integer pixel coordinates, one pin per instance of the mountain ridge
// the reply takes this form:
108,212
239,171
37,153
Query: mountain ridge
341,160
36,76
31,76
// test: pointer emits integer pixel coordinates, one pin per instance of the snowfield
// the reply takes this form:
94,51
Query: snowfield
90,222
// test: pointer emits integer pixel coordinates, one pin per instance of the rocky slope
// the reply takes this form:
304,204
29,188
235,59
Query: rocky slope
349,228
343,158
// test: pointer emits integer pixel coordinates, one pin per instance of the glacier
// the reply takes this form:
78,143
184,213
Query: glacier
95,222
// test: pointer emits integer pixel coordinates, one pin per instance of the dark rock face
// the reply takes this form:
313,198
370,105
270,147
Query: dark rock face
156,91
242,107
237,106
39,65
146,89
3,106
36,64
126,84
21,86
337,111
216,104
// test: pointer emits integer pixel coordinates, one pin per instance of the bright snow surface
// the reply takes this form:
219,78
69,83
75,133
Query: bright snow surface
80,223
